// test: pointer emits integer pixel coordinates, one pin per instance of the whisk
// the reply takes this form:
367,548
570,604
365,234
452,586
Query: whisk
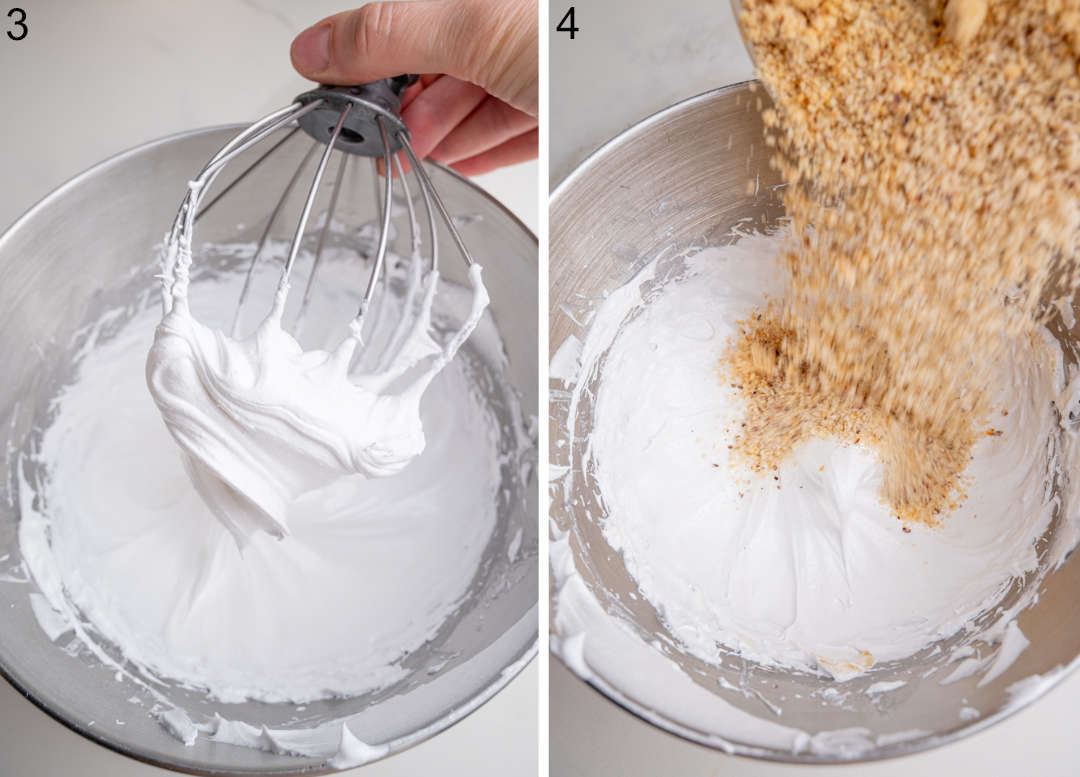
253,446
359,121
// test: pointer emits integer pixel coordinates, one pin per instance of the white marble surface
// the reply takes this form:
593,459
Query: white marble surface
628,61
96,78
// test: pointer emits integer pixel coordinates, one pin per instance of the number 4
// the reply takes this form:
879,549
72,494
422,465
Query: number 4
568,17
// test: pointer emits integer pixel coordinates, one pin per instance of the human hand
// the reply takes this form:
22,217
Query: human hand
475,106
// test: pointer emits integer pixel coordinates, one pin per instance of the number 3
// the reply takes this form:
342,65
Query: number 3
18,18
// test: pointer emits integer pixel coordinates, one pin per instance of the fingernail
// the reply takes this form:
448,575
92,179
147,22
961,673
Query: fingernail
311,49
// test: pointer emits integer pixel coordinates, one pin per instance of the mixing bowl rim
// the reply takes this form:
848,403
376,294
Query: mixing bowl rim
651,716
120,156
759,753
638,127
397,745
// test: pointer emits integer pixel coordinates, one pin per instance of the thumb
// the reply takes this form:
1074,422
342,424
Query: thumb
423,36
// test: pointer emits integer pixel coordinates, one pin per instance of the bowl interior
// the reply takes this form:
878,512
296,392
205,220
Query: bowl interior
673,184
91,247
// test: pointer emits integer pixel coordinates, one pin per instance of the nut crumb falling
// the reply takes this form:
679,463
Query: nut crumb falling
963,18
933,151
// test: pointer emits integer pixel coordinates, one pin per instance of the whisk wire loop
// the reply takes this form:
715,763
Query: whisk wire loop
294,248
384,232
331,208
355,121
429,188
247,171
264,238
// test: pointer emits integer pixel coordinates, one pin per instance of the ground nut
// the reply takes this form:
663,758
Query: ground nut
963,18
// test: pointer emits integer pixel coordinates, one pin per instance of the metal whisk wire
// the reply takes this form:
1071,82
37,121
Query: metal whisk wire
177,265
358,121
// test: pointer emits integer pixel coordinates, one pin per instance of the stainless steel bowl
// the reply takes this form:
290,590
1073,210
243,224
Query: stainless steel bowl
674,182
91,245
